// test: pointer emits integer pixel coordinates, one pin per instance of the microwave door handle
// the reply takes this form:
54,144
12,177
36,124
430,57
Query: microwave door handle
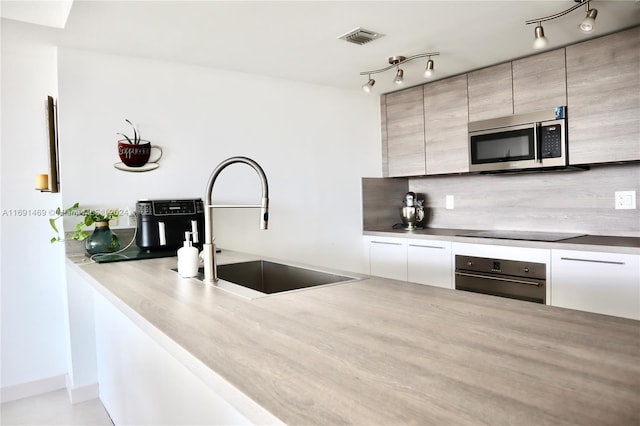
537,132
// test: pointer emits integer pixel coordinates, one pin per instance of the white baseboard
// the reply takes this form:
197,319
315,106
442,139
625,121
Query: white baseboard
38,387
82,393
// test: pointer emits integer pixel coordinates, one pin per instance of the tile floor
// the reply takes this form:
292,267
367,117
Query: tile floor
53,408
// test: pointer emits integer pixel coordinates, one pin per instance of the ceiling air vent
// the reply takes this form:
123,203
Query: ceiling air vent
360,36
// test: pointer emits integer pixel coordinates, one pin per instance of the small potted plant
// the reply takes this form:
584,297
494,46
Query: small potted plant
101,240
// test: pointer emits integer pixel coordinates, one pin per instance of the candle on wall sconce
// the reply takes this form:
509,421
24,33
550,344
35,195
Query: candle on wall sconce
42,182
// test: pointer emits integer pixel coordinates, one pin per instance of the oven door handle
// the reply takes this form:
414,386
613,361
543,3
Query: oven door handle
494,277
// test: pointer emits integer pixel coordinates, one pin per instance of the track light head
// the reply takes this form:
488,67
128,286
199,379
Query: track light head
586,26
540,41
428,71
366,88
399,80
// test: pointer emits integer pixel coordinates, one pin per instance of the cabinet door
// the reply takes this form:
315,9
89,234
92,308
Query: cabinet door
446,117
603,283
603,93
144,383
405,132
539,82
429,262
388,257
490,92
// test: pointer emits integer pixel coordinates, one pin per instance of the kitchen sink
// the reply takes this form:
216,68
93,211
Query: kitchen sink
271,277
258,278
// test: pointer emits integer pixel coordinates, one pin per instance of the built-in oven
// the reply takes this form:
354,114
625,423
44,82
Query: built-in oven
507,278
527,141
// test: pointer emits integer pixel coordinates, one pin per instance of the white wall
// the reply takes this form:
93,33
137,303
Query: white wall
314,143
34,324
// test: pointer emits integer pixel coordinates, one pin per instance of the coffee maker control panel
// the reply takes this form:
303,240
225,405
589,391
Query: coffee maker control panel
169,207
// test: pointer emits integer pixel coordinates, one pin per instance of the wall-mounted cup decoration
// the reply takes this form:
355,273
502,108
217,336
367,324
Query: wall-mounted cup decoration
137,155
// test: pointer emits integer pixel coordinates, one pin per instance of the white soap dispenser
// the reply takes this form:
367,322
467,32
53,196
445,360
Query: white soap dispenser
188,258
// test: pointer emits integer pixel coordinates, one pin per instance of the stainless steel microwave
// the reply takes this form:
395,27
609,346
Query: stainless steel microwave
527,141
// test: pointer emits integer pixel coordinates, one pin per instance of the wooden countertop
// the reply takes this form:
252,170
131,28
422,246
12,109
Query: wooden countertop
382,352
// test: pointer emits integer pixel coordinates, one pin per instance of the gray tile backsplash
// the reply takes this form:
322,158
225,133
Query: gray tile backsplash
580,202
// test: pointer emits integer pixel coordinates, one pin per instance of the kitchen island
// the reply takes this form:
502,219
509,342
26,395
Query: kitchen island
380,352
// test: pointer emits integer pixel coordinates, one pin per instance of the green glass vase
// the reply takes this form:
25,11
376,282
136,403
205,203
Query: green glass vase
102,240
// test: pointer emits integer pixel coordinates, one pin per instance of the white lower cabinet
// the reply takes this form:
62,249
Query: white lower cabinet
429,262
604,283
600,282
418,261
142,383
388,257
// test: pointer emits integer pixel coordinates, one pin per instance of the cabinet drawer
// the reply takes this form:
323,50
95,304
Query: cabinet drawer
429,262
604,283
388,258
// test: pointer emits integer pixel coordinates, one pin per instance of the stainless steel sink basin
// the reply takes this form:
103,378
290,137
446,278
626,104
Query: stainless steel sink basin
270,277
259,278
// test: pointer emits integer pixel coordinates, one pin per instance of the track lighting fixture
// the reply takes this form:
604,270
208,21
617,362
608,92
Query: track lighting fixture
540,41
368,85
399,80
586,25
395,62
428,70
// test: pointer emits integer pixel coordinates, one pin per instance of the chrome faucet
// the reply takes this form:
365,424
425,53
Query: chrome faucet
209,248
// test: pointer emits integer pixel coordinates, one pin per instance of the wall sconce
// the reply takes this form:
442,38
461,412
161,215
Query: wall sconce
395,62
42,180
585,26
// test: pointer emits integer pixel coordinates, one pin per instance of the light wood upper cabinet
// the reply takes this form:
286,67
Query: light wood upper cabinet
405,132
539,82
490,92
424,128
446,131
383,135
603,91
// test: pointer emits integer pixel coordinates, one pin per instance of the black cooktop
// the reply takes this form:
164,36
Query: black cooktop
522,235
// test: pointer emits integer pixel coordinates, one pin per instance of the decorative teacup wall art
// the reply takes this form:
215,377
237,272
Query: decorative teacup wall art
137,155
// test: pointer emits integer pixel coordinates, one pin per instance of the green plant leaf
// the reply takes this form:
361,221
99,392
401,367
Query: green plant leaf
52,222
54,239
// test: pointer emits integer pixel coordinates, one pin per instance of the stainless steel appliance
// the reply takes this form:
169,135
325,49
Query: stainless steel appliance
412,213
527,141
498,277
161,224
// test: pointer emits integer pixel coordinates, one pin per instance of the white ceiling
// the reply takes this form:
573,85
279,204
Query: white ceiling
49,13
297,40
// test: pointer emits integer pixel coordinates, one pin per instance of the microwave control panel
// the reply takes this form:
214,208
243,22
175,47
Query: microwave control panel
551,141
